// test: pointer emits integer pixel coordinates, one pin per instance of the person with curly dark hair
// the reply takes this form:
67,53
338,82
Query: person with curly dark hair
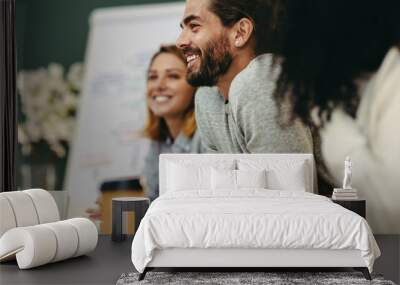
340,70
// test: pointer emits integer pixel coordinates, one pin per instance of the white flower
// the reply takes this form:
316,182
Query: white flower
49,104
75,76
56,71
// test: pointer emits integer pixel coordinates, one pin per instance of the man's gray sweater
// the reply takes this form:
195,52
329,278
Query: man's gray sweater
247,122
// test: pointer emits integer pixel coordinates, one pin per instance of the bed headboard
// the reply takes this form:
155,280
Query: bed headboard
308,158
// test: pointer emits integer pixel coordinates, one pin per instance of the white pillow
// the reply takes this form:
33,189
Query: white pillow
291,179
226,179
281,174
223,179
193,175
251,178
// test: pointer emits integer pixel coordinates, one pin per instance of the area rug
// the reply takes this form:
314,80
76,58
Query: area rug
244,278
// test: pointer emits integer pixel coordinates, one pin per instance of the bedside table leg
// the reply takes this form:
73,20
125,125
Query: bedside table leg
116,234
140,211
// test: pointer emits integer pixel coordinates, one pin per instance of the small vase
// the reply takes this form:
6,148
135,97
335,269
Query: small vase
40,175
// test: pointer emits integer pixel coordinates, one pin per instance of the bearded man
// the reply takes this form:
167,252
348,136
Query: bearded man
226,43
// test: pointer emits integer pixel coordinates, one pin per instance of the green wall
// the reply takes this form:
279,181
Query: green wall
56,31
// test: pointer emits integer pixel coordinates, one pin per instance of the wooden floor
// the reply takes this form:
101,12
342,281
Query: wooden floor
110,260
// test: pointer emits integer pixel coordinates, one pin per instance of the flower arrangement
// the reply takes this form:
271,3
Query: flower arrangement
49,101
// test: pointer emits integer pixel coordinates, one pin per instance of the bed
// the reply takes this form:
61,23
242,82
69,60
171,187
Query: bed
246,211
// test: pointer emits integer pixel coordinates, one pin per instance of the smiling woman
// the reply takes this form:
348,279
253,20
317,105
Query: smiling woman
7,95
169,96
171,125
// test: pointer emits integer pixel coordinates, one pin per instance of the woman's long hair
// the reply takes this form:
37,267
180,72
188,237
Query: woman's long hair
326,47
156,127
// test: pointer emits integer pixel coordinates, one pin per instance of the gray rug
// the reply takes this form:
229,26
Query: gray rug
269,278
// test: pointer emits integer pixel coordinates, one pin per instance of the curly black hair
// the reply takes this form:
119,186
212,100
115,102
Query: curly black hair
326,46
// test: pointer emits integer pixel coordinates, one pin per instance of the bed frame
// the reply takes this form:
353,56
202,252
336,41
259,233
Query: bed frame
249,259
246,259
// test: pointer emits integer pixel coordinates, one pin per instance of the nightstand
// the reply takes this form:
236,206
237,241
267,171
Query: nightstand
138,205
358,206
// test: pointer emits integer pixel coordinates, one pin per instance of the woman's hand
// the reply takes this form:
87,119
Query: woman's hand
95,213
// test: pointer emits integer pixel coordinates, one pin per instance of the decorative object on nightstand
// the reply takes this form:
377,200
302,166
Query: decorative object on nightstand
358,206
138,205
346,192
347,196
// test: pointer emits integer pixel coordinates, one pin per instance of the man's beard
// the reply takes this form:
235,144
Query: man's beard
215,62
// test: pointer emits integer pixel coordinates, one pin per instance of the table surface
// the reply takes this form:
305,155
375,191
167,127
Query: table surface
349,200
110,259
130,199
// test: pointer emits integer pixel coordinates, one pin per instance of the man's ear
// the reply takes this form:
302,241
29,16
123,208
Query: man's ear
242,32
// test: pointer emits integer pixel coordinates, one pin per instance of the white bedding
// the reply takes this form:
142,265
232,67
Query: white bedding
252,218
